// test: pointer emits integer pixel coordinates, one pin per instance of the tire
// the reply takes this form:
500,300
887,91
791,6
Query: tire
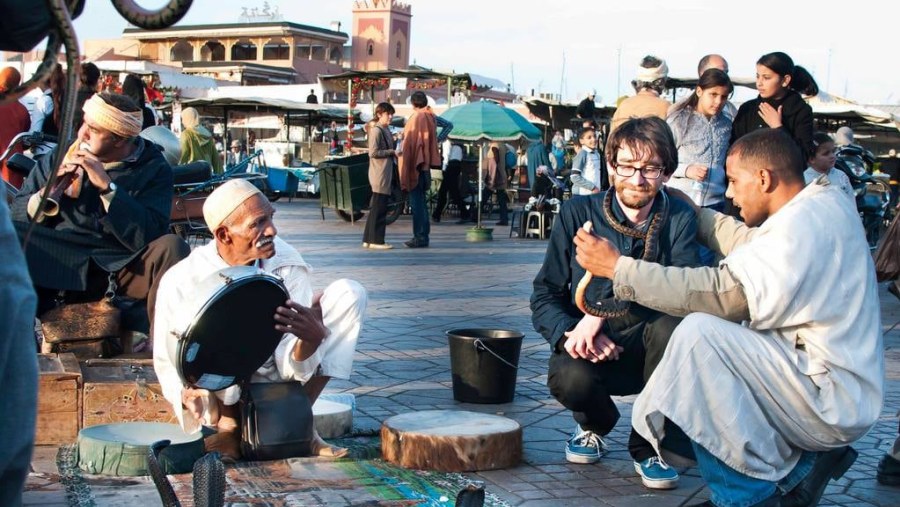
395,207
347,217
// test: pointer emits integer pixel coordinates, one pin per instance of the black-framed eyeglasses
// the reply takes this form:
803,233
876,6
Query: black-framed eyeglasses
650,172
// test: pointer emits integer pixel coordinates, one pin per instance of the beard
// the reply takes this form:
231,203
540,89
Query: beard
638,196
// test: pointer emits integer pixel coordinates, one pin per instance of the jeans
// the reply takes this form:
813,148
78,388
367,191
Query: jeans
731,488
421,225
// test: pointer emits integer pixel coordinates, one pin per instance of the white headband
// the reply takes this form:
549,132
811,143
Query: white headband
111,118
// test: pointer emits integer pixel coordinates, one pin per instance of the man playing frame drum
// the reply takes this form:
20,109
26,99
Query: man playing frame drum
320,331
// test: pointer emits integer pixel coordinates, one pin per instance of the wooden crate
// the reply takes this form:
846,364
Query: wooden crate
122,390
59,399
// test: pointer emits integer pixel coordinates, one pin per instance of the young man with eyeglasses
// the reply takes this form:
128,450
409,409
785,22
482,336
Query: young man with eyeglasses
614,353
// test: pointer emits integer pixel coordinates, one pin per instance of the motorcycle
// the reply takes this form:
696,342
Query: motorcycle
873,194
18,163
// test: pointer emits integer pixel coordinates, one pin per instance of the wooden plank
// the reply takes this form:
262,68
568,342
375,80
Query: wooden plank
57,428
117,391
59,395
59,399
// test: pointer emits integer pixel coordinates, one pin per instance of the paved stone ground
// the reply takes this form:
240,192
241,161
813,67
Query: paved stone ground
403,364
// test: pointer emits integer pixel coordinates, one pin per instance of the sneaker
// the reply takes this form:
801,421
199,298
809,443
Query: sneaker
365,245
888,472
416,243
380,246
585,447
656,474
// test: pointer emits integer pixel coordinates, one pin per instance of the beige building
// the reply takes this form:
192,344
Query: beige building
278,52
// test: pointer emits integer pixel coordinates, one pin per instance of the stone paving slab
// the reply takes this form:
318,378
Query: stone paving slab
402,364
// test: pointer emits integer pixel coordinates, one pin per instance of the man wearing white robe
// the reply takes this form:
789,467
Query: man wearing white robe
320,331
771,404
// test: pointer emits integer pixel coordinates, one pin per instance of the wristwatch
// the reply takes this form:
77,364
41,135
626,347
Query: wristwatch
109,189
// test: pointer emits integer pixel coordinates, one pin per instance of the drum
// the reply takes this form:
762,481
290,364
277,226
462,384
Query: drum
121,449
231,330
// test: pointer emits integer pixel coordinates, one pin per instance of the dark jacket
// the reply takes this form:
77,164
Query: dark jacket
796,120
586,109
62,246
553,300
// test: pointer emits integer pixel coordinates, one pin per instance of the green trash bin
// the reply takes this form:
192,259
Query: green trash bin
344,185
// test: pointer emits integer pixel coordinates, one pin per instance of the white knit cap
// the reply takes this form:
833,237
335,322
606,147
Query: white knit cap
225,199
650,75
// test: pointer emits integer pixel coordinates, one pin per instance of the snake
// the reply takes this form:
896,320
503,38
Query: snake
611,307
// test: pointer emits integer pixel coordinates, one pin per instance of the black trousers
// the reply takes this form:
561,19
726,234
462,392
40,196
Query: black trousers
586,388
376,222
138,280
450,185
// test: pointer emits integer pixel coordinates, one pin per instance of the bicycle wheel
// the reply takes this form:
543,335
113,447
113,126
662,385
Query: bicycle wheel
396,206
193,236
347,216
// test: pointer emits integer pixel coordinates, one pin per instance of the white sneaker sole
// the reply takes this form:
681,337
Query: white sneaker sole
656,483
581,459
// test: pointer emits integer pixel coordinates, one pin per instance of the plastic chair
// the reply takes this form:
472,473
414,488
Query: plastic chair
534,225
515,221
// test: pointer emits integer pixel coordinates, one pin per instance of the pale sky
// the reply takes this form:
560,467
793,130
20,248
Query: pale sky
849,47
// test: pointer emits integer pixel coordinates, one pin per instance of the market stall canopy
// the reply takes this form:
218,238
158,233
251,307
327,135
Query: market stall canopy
559,115
270,104
827,107
487,121
381,79
169,77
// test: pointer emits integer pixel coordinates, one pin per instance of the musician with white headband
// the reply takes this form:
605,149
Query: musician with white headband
649,84
112,218
320,330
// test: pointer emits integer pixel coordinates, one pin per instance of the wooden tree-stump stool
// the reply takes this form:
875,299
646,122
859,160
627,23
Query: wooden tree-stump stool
451,441
332,419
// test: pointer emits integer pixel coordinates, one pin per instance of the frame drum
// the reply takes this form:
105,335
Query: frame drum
233,331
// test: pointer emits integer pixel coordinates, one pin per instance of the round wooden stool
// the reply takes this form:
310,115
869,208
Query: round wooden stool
451,441
332,419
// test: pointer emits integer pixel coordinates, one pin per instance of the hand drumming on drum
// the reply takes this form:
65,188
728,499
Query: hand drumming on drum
305,323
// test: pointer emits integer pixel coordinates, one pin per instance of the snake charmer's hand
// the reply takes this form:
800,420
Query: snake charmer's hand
192,401
770,115
595,254
303,322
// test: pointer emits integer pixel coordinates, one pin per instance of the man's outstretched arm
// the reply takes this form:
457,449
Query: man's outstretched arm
672,290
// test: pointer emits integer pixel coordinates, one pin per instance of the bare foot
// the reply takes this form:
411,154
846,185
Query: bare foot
323,449
226,443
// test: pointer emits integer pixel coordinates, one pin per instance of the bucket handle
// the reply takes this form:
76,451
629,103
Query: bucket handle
479,346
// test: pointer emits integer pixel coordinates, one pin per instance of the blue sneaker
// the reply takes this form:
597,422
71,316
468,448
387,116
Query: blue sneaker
585,447
656,473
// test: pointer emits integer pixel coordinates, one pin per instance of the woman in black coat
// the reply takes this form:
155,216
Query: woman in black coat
779,104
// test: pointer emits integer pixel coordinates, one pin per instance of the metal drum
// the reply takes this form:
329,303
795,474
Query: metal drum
232,327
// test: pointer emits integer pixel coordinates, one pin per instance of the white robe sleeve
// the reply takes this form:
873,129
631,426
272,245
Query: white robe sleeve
164,349
299,286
